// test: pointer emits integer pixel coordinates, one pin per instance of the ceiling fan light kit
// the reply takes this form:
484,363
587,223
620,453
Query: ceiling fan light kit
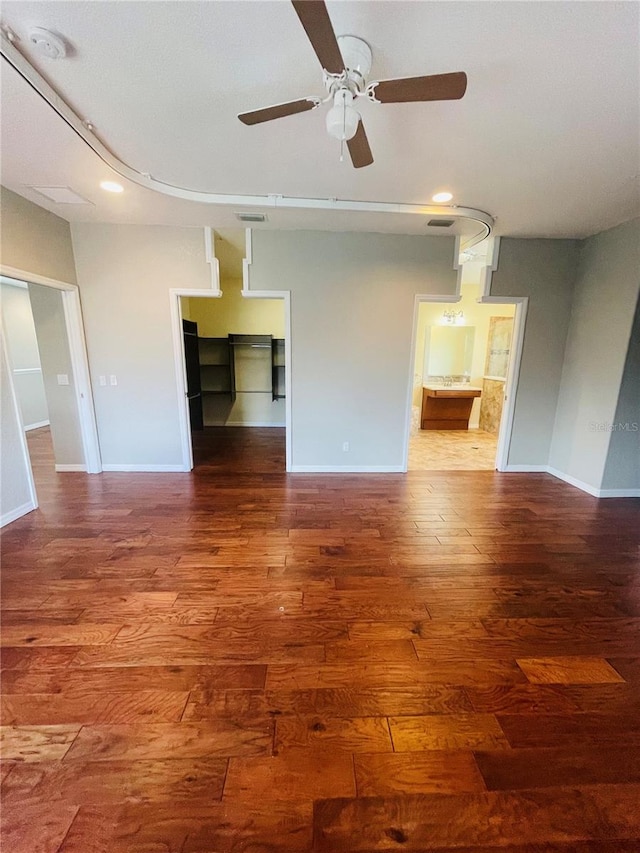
343,118
346,62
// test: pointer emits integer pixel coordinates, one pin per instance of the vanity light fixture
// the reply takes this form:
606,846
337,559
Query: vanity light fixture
453,318
111,186
442,197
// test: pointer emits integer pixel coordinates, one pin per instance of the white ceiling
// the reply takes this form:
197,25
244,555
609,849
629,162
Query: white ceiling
546,139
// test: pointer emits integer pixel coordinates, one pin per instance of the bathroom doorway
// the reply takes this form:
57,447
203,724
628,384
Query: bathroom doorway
465,368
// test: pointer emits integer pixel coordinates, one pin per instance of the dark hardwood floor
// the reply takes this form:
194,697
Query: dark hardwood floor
244,660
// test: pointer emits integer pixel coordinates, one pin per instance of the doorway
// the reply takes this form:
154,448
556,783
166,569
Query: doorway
233,369
466,360
48,374
236,382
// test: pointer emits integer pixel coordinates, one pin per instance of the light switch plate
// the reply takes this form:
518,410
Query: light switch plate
63,379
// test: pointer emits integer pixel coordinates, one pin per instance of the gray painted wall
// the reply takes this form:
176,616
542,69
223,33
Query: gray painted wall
53,344
34,240
544,271
125,273
352,304
622,469
605,299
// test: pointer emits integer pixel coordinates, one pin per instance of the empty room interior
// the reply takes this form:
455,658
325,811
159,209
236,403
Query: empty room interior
320,413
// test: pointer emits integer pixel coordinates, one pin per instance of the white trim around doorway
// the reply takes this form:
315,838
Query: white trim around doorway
79,361
513,372
82,382
32,503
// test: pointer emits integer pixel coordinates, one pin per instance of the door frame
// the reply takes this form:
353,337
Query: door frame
79,360
513,374
32,503
81,375
515,357
175,295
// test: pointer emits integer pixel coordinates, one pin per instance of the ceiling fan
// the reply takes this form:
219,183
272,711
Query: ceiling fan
346,61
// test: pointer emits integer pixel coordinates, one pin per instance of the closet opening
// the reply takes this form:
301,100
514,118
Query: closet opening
235,371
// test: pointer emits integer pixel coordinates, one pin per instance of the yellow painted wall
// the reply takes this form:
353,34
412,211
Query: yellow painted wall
233,313
476,315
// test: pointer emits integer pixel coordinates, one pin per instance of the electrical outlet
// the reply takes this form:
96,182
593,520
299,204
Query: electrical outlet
345,446
113,380
103,380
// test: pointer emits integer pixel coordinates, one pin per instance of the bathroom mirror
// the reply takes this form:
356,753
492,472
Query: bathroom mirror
448,350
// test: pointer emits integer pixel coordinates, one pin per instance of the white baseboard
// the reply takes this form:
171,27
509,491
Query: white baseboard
347,469
593,490
37,425
619,493
147,469
526,469
18,512
62,468
573,481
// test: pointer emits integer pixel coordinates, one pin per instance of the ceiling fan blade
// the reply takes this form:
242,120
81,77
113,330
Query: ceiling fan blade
435,87
279,111
359,148
319,29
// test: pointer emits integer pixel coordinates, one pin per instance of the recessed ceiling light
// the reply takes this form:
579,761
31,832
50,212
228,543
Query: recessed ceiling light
111,186
442,197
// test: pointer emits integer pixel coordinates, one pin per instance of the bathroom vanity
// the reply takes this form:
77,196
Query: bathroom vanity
447,406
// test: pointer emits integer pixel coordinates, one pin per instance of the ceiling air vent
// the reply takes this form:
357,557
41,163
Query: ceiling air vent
252,217
61,195
440,223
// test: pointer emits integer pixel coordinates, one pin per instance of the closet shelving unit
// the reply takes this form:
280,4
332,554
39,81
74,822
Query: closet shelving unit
277,369
224,367
242,364
216,373
250,364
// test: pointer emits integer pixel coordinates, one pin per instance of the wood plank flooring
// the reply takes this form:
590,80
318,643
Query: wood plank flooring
243,660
